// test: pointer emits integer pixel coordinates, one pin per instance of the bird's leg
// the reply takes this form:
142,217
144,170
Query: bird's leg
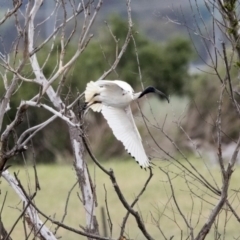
86,107
86,103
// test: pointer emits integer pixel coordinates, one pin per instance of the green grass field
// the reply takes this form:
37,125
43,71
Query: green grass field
57,180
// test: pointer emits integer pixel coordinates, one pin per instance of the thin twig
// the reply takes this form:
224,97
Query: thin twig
19,217
66,206
135,201
108,212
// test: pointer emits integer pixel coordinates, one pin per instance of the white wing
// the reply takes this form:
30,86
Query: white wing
122,124
117,83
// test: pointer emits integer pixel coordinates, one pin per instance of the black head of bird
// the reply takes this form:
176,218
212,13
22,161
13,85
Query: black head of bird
151,89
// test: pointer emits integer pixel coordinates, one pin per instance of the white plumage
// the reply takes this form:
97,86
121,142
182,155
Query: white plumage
113,99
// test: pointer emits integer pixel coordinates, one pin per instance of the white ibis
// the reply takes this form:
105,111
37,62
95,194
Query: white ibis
113,99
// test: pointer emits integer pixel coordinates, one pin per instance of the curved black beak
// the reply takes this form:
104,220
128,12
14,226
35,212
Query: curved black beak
153,90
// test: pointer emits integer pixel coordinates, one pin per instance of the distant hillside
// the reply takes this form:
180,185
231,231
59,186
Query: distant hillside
150,18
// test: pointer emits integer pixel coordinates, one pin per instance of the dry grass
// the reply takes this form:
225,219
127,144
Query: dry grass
56,181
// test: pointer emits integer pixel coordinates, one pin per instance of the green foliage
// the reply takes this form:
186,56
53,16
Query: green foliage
163,65
166,66
238,64
230,5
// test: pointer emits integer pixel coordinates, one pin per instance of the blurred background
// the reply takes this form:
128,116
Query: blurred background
172,58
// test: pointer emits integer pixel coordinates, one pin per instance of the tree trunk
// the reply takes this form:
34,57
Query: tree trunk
84,180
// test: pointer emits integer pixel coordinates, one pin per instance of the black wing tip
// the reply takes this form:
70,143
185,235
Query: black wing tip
145,168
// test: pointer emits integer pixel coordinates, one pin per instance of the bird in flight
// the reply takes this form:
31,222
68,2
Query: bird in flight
112,99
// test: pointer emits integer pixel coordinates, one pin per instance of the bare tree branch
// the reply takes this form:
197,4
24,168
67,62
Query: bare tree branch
16,5
31,212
